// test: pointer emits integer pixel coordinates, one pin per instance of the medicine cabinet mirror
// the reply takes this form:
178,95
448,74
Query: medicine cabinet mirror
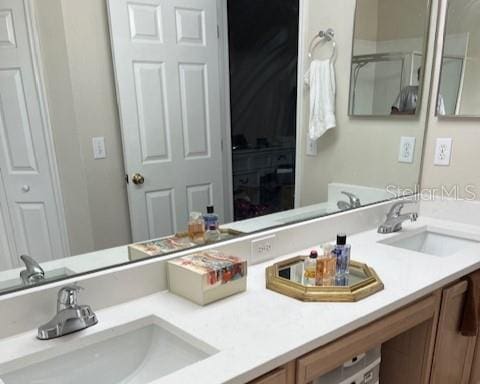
460,74
388,56
119,118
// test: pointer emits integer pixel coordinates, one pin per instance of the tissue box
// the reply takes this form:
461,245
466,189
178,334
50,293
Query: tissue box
208,276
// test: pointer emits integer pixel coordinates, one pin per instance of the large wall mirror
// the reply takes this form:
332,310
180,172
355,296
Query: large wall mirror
388,56
460,75
118,119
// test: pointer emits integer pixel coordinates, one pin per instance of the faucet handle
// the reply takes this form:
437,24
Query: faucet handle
33,272
354,200
396,208
68,297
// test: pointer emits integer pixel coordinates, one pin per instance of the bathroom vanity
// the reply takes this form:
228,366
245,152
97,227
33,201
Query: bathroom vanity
261,336
155,98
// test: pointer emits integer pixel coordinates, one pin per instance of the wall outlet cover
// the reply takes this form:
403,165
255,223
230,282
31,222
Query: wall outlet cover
263,249
407,149
312,147
443,151
99,149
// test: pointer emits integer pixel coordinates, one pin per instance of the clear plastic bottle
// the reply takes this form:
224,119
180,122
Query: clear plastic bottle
196,228
330,265
212,235
321,270
342,252
310,269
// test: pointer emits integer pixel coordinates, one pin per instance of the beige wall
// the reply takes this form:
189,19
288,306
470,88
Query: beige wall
77,63
401,19
366,27
358,151
463,170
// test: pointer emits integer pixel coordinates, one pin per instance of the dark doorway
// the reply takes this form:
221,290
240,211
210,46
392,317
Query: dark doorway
263,50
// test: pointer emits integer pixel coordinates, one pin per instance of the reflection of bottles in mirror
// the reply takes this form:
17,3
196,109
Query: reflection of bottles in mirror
310,269
210,218
342,253
196,228
212,235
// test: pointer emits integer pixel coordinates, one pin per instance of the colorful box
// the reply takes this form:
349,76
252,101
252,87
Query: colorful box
205,277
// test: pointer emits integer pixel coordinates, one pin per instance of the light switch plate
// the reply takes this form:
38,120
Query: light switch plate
443,151
312,147
99,150
407,149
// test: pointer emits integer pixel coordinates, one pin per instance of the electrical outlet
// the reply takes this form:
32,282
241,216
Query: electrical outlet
263,249
407,149
312,147
443,151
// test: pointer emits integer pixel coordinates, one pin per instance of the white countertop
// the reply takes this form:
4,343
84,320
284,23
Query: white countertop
258,330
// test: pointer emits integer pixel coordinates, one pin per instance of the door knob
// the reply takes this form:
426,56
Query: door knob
26,188
138,179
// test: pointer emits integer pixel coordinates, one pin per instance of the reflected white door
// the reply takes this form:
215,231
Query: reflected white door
27,199
166,57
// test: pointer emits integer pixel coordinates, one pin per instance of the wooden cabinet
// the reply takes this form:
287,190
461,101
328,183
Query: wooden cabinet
282,375
454,352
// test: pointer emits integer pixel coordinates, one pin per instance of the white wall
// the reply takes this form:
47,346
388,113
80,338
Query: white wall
359,151
78,70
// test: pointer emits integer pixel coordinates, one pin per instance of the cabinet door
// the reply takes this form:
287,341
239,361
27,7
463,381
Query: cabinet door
453,356
475,376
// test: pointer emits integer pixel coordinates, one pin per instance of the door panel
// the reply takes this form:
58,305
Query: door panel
170,109
195,122
24,160
154,130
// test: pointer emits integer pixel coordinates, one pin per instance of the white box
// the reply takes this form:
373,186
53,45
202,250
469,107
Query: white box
208,276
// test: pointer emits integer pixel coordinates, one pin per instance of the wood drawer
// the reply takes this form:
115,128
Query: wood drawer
281,375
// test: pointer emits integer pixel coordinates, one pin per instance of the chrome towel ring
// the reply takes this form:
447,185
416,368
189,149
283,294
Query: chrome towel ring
323,36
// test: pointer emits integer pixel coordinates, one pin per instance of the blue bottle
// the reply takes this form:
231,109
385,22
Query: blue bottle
342,252
211,219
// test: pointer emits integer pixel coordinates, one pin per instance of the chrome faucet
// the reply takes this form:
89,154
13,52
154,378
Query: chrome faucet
354,202
33,272
395,218
70,316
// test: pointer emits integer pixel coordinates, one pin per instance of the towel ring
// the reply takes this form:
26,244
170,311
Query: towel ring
322,36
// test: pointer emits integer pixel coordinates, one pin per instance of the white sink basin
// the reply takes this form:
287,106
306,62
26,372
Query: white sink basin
432,241
136,353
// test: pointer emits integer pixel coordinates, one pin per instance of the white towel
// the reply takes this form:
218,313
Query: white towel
321,79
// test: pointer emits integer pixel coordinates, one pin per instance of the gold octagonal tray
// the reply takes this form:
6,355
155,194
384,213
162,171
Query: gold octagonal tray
286,278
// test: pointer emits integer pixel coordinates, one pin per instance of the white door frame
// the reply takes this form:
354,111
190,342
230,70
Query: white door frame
225,116
46,123
301,140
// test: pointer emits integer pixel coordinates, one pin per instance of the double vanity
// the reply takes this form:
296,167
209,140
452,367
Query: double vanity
261,336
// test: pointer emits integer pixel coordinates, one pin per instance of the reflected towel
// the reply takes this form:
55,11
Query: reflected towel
471,308
321,79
